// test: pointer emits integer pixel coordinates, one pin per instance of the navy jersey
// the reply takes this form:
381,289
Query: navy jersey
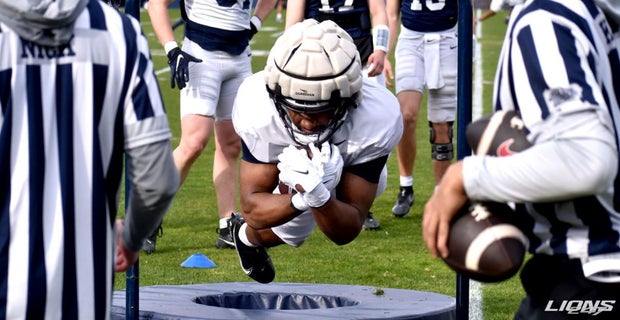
429,15
351,15
67,115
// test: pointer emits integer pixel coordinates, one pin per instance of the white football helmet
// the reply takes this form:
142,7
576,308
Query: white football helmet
314,67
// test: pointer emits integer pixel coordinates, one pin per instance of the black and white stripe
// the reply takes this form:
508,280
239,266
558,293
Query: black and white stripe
65,112
529,67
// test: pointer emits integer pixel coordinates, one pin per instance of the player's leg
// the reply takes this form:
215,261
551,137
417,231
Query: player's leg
442,107
253,258
442,149
406,150
227,143
195,134
225,176
410,79
198,108
251,244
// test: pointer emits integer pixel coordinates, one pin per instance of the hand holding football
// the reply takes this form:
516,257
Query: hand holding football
484,243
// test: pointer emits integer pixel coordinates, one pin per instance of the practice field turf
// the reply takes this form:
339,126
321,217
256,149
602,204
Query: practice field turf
392,257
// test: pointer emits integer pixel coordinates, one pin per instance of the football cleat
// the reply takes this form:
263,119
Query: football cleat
403,203
148,246
254,261
224,238
371,223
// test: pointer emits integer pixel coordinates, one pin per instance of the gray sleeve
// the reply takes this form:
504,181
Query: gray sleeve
154,180
564,163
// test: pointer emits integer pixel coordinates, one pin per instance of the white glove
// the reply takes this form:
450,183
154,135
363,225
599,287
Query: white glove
298,202
297,170
300,173
329,160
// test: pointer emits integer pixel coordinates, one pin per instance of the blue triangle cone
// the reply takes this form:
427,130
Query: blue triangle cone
198,260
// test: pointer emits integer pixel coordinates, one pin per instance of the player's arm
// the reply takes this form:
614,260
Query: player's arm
178,60
160,19
392,8
342,217
380,34
154,180
294,12
487,14
264,8
261,207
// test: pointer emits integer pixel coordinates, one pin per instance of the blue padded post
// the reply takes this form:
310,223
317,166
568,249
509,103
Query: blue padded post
464,96
132,278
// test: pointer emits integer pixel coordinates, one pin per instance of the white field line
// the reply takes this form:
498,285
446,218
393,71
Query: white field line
475,290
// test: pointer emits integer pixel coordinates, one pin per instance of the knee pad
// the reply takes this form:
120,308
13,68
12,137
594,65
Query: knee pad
441,151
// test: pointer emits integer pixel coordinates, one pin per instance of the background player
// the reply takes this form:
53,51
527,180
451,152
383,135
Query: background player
559,68
425,58
217,35
77,91
366,22
347,122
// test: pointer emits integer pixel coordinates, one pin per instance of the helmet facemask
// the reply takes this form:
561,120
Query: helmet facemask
314,68
336,106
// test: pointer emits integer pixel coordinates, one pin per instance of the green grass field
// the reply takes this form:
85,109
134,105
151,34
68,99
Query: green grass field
393,257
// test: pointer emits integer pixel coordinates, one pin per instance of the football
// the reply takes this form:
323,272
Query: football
484,243
283,188
501,134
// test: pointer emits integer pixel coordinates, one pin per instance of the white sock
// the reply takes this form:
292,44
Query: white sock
244,237
224,223
406,181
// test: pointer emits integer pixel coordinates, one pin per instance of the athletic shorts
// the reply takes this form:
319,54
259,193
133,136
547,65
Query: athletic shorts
429,61
556,288
213,83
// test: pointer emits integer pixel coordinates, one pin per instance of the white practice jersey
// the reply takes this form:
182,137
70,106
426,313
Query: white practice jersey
370,131
221,14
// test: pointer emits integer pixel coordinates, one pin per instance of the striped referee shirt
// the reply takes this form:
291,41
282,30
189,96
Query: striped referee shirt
67,116
560,68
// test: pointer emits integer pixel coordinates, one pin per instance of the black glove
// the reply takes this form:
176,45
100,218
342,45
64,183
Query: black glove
178,61
253,30
255,24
